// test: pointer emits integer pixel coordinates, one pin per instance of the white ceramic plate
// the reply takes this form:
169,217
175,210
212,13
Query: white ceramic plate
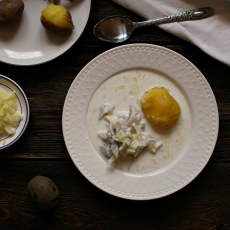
27,42
197,149
23,107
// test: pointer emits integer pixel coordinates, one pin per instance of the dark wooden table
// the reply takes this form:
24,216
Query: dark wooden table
203,204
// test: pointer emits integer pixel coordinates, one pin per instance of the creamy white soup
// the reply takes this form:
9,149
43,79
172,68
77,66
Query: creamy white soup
126,88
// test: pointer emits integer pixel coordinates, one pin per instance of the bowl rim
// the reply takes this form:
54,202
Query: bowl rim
27,112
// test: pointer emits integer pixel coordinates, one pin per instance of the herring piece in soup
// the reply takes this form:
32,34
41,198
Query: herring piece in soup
159,107
125,136
105,109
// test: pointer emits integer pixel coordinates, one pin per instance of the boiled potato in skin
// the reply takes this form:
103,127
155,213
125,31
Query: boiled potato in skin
10,11
43,192
159,107
57,18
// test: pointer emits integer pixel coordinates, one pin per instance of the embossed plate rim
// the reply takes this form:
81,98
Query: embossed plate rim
120,184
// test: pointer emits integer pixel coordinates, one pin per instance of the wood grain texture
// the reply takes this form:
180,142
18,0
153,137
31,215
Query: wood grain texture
203,204
46,86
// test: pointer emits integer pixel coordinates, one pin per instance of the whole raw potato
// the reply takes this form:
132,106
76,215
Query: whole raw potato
10,11
43,192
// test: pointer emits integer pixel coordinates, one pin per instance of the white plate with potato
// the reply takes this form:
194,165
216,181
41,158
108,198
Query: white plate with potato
121,76
26,42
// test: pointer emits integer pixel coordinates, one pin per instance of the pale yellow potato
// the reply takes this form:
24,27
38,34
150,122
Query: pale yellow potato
57,18
159,107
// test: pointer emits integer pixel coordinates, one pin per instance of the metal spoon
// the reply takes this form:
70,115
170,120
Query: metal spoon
118,28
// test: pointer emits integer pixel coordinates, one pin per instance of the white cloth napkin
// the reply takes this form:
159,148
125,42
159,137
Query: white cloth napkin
212,35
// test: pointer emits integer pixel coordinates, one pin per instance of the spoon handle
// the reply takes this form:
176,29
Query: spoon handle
189,15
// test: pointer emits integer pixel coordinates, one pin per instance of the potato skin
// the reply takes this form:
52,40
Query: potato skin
9,15
43,192
52,27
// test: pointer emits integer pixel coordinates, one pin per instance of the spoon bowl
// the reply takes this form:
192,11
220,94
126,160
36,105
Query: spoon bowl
114,29
117,29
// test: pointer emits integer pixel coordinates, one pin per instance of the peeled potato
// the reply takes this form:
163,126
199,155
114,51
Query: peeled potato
10,11
57,18
159,107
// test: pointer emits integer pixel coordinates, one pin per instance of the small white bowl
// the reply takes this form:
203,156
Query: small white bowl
23,107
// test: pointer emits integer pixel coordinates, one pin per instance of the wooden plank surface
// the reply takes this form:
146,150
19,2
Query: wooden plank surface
203,204
46,86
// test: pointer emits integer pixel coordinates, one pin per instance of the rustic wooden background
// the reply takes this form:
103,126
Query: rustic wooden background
203,204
